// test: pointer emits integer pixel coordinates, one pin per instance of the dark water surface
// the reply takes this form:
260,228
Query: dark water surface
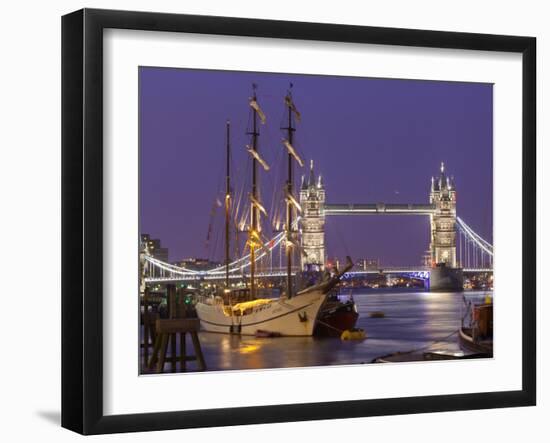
412,320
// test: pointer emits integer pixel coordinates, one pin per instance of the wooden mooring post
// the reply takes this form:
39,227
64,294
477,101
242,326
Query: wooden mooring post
149,318
168,330
171,330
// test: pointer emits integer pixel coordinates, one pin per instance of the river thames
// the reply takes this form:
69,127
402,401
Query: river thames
413,320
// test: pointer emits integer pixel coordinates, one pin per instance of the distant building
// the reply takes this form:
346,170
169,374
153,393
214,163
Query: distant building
367,264
154,247
197,264
333,263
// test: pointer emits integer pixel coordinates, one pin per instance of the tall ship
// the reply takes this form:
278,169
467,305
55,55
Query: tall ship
241,310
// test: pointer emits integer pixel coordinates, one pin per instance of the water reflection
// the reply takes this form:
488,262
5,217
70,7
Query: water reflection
412,320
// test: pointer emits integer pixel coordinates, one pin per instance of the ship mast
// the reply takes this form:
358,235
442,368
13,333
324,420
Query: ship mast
289,250
253,233
290,199
227,200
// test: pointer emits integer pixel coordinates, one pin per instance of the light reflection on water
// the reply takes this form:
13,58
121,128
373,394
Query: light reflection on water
412,320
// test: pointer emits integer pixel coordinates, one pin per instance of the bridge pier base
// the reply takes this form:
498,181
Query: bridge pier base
443,278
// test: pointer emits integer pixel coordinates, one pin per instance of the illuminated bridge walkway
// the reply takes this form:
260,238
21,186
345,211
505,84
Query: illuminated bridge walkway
470,243
411,271
473,251
380,208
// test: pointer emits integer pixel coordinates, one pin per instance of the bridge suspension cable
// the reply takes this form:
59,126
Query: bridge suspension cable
235,266
473,250
472,235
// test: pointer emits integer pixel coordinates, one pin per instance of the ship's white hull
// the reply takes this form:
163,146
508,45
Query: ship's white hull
290,317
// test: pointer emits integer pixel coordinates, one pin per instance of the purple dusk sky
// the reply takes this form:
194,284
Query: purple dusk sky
373,140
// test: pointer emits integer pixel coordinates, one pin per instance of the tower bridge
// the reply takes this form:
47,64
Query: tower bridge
454,246
441,210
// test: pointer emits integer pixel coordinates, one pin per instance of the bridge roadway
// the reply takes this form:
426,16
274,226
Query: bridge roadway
282,273
379,208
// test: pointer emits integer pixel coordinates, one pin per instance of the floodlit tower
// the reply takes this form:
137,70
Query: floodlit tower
443,221
312,201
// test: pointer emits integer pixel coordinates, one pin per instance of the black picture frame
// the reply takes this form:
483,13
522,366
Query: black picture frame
82,220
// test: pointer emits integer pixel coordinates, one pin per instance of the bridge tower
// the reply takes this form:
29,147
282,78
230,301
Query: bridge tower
312,224
443,220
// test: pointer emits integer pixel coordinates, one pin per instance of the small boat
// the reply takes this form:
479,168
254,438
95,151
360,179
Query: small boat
477,336
377,314
411,356
336,316
469,342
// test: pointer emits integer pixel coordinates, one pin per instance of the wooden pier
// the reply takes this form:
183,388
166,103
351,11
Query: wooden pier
160,332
